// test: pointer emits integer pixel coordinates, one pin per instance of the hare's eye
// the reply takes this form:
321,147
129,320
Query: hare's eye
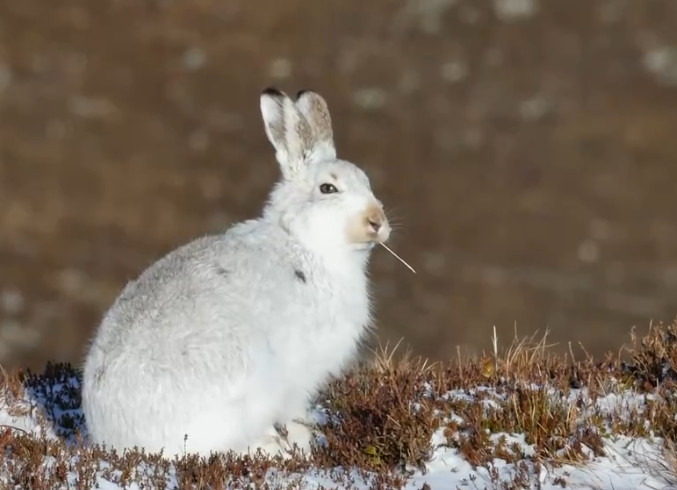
328,189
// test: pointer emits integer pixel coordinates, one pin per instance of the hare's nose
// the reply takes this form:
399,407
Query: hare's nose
375,225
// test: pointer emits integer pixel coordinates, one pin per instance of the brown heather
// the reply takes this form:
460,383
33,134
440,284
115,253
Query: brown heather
380,419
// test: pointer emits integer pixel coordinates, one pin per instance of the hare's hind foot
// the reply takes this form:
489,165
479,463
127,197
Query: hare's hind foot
272,445
286,441
296,437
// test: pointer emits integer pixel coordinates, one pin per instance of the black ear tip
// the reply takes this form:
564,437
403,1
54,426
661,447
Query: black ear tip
273,91
302,92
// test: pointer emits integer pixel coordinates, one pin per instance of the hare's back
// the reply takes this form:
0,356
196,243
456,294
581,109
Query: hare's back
199,291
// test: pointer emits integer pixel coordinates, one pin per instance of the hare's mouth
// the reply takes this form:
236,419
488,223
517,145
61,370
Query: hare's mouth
365,233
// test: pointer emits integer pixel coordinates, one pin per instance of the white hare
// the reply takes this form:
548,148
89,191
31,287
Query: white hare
230,335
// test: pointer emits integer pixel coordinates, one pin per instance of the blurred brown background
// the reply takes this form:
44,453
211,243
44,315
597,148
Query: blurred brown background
527,148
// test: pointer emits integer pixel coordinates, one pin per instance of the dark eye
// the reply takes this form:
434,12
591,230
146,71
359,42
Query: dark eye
328,189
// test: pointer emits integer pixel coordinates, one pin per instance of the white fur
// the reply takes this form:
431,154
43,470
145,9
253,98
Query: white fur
230,334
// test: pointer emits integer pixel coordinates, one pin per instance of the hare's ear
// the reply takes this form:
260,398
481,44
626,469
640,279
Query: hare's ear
287,130
314,109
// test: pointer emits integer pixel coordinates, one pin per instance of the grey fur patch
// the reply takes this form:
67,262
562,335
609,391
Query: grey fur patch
98,374
300,276
222,271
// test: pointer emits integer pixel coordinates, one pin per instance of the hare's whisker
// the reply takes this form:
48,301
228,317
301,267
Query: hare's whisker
397,257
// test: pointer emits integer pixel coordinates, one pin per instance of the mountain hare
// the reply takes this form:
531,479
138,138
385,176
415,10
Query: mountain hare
229,336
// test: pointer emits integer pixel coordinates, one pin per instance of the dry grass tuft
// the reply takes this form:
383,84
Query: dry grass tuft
653,357
380,416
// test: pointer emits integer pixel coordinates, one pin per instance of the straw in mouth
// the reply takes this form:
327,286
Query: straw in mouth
397,257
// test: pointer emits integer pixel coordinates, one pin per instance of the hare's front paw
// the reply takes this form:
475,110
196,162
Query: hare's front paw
298,437
271,445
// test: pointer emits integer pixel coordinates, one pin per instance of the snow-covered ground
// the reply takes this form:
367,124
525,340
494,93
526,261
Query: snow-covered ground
629,463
